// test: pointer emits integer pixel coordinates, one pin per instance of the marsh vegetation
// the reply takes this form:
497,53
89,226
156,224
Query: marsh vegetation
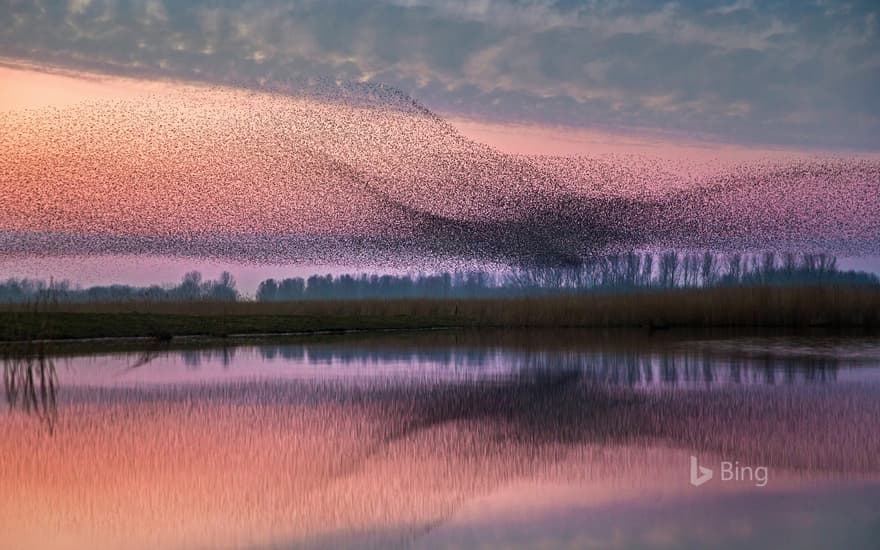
764,306
629,290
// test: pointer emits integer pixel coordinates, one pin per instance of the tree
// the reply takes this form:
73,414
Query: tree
191,287
668,269
709,269
267,291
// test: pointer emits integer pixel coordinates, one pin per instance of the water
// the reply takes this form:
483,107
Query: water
444,440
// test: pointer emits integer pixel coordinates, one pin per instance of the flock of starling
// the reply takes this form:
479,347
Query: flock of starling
368,175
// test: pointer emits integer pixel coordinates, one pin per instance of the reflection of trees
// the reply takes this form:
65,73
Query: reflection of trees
193,358
31,384
705,369
630,368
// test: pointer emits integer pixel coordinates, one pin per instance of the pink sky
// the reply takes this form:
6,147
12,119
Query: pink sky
28,88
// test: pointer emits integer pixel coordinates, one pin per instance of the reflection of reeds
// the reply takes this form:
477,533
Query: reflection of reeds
31,383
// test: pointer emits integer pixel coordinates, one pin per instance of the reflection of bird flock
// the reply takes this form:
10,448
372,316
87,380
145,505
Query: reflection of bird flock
371,176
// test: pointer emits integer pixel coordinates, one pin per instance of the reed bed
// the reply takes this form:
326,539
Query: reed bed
766,306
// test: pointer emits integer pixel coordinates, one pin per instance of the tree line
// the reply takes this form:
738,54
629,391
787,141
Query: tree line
614,273
191,288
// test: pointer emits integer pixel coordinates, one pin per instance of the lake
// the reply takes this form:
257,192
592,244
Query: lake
563,439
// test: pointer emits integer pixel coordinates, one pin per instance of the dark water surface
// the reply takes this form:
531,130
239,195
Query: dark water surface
445,440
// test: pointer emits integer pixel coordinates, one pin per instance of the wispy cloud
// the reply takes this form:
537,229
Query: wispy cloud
782,72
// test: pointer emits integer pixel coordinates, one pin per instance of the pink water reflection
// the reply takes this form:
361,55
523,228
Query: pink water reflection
436,443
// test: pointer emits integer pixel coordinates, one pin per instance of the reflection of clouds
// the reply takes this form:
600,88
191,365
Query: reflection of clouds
391,461
749,518
545,61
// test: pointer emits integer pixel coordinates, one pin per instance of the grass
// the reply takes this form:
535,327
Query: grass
796,307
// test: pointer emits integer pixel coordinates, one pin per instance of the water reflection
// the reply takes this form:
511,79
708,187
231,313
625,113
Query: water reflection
681,365
30,383
399,441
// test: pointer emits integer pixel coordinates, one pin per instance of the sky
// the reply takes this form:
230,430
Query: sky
791,74
668,92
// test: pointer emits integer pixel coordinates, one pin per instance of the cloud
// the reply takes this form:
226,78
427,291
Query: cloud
774,72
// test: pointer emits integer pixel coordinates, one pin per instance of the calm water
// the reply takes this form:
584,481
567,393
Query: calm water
445,440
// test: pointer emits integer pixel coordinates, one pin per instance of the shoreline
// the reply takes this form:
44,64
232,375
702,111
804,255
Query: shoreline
207,339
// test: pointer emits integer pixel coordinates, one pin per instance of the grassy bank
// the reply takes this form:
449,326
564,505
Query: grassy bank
825,306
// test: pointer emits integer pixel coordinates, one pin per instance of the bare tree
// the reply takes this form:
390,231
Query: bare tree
734,268
709,269
647,269
668,269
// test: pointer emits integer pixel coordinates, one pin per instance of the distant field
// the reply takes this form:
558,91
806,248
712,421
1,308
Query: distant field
824,306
